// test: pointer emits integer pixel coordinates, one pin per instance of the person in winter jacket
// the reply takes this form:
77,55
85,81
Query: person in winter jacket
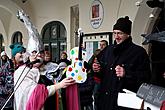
64,58
6,81
124,65
86,92
17,52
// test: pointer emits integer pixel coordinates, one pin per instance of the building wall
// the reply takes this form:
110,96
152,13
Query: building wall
43,11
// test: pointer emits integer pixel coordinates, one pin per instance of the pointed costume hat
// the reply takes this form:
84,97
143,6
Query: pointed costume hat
34,43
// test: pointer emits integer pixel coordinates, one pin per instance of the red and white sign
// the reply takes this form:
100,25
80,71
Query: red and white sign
96,14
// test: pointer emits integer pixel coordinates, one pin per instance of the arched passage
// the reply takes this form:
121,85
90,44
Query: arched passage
54,38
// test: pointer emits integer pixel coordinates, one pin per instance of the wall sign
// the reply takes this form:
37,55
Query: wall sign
96,14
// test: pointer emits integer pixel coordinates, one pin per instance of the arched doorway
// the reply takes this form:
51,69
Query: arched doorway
17,37
54,38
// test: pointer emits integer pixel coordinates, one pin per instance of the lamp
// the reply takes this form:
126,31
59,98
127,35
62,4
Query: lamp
151,15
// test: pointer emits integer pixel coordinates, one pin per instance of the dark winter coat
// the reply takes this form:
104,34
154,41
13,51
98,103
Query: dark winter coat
136,63
86,91
6,83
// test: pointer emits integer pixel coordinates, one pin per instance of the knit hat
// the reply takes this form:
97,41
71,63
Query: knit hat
16,48
124,25
3,53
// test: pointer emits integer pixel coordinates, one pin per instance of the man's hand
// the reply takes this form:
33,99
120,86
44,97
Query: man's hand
120,72
66,82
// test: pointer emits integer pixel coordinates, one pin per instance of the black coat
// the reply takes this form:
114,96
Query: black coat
86,91
136,63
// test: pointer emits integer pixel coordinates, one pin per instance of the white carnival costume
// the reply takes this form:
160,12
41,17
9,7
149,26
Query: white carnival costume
29,95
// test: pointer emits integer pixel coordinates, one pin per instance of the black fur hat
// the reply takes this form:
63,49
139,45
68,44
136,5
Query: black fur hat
124,25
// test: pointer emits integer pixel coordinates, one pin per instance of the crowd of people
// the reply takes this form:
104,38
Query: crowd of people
27,80
112,68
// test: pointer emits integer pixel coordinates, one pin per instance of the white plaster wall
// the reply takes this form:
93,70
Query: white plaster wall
43,11
113,9
108,20
140,22
8,22
53,10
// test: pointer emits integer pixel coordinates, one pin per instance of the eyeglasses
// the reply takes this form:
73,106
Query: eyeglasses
118,33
